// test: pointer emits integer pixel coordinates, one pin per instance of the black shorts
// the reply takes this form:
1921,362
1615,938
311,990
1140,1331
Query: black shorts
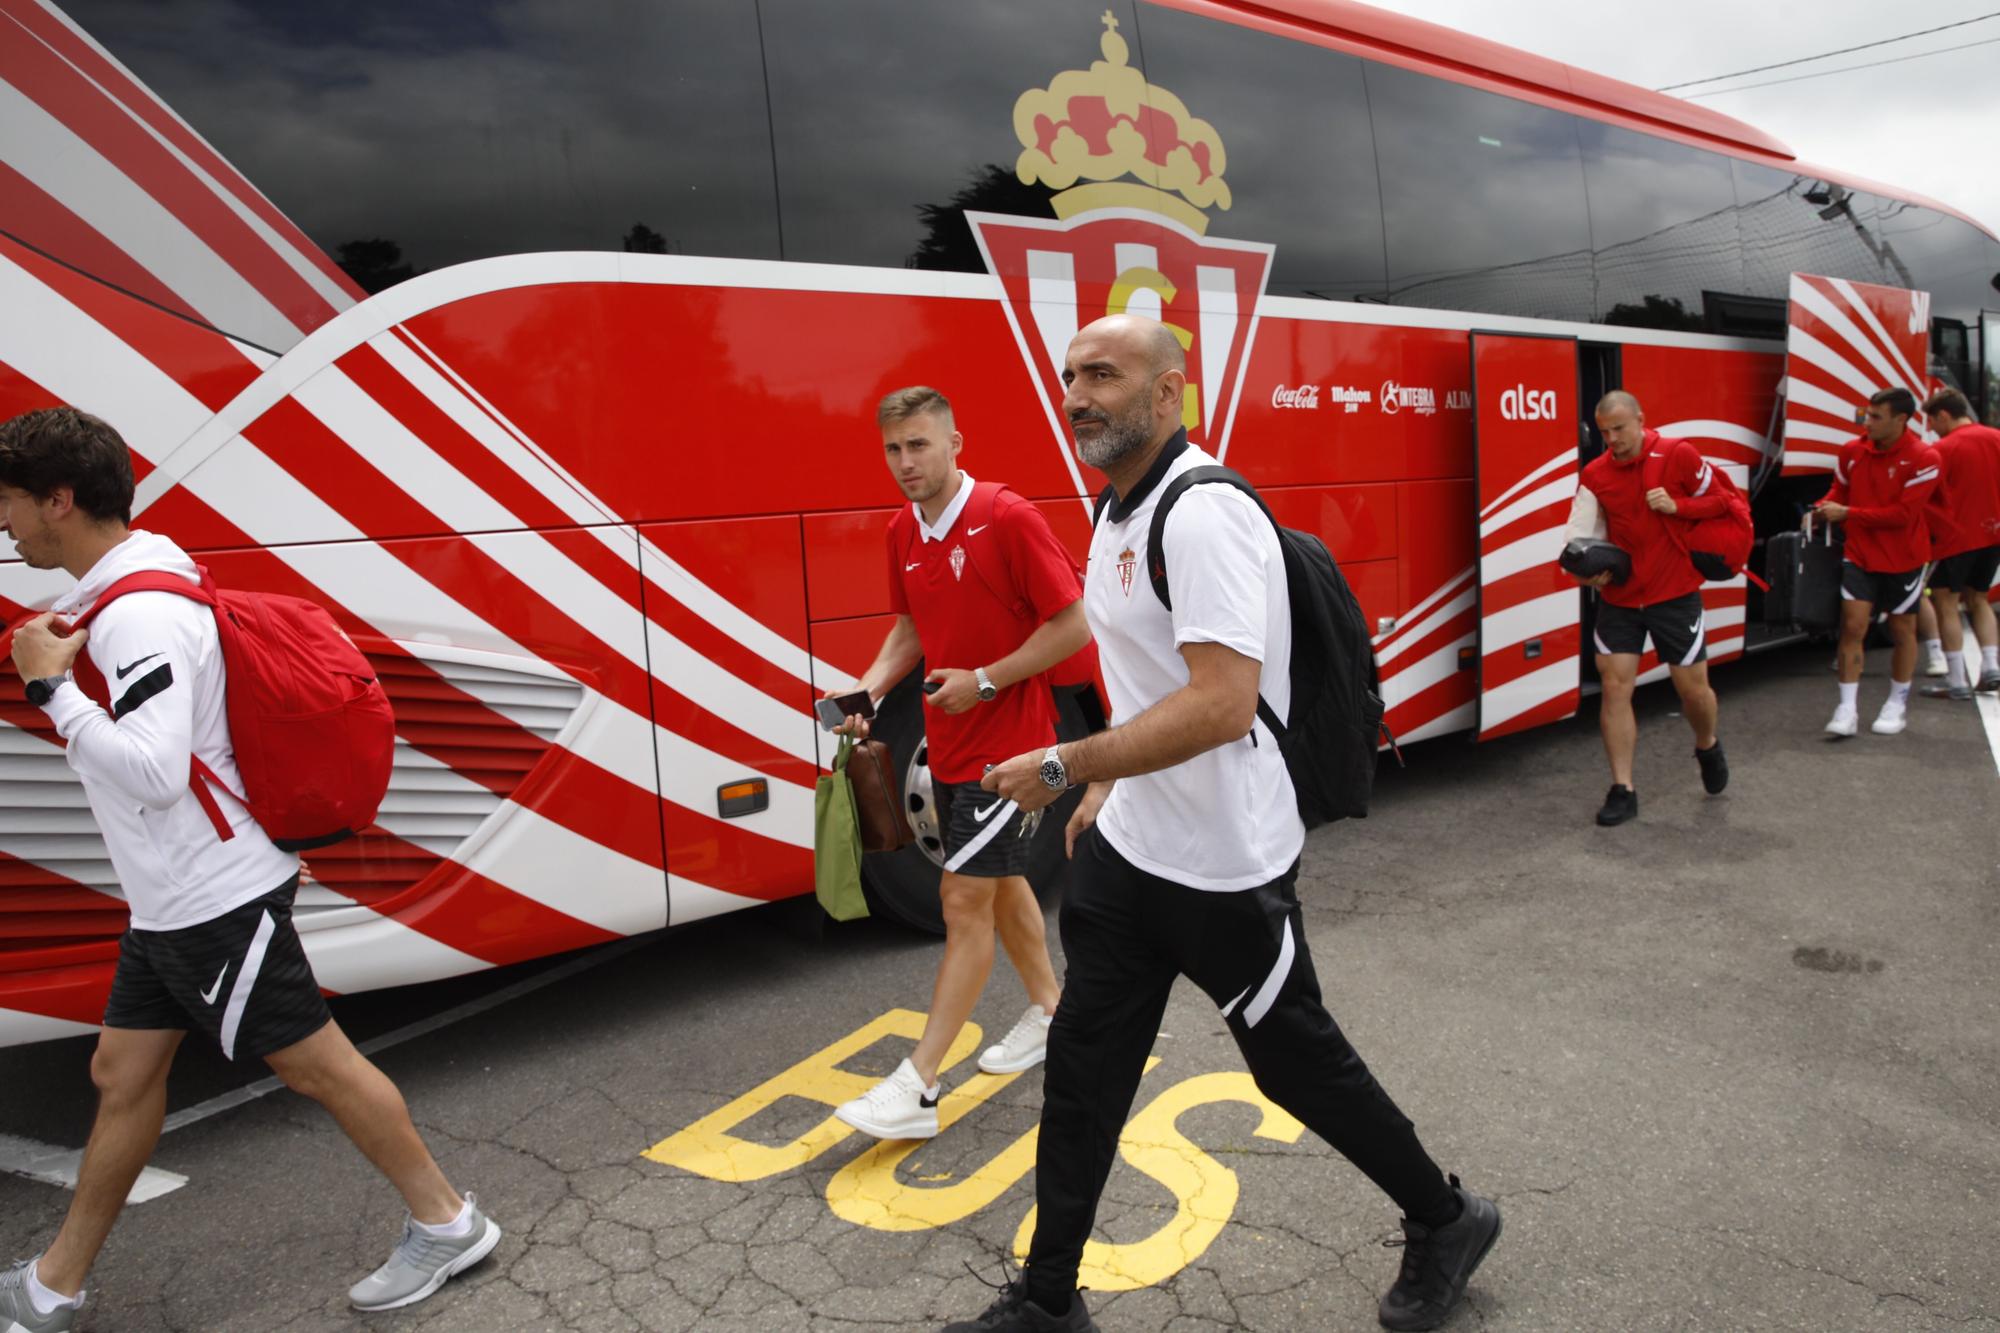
985,836
1968,571
1889,594
242,978
1679,630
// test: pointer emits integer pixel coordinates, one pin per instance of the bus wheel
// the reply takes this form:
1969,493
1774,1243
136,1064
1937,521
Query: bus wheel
903,885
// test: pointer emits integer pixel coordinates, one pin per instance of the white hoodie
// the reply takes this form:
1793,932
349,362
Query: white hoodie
162,660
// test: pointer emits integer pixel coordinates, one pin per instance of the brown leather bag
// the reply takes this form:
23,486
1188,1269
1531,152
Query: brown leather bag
878,806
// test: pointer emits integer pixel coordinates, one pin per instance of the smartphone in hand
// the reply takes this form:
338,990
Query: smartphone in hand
836,709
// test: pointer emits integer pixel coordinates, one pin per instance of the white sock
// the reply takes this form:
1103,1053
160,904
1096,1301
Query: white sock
1989,659
455,1229
1933,647
1954,669
44,1300
1849,694
1899,693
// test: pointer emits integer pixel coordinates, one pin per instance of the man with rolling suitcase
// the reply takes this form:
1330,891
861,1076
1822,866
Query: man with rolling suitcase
1881,482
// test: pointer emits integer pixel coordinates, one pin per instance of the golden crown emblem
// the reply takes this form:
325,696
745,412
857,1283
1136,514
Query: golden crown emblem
1090,127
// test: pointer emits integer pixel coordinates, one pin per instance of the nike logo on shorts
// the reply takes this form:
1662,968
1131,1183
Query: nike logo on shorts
129,668
208,996
983,815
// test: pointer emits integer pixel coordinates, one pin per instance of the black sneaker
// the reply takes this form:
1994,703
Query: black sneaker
1438,1263
1013,1312
1620,804
1714,768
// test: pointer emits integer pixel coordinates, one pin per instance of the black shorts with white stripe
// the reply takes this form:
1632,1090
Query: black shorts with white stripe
1889,594
241,977
985,836
1968,571
1678,628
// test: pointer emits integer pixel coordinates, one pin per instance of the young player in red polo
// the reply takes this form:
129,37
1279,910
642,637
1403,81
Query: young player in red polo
1881,482
947,550
1661,597
1964,520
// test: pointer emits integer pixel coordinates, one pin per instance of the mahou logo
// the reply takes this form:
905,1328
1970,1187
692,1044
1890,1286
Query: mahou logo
1305,396
1521,403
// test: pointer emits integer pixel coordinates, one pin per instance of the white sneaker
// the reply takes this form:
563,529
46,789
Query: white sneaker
1846,721
1022,1048
1934,664
899,1107
1889,721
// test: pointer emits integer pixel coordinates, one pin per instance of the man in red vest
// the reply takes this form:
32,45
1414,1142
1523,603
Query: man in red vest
1661,598
1881,483
988,599
1964,521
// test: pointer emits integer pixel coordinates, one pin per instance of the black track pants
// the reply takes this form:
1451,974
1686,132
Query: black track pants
1127,935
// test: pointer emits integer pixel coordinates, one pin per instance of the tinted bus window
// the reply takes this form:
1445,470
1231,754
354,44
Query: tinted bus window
1662,228
1943,256
1301,159
1797,224
1482,198
894,116
404,137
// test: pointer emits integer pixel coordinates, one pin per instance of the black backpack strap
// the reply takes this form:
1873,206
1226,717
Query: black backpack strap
1156,549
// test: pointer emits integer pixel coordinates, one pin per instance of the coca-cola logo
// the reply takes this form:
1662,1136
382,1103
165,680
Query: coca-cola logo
1304,396
1521,403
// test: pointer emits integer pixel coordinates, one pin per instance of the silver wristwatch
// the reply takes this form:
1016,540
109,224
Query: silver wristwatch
1054,775
986,687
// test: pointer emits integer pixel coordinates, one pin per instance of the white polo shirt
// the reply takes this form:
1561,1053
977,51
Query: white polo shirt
1226,819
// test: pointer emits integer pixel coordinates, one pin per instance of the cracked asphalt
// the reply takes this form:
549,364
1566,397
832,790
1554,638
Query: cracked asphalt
1729,1067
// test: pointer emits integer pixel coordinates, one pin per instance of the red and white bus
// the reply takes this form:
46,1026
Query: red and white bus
540,341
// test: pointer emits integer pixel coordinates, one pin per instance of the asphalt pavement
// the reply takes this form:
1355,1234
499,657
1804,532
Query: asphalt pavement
1731,1066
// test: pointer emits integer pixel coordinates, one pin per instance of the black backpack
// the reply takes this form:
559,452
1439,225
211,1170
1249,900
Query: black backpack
1331,745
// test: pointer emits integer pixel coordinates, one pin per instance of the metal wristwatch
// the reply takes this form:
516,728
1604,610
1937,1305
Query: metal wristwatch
1054,775
986,687
42,689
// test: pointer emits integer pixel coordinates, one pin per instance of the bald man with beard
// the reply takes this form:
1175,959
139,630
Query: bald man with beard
1186,848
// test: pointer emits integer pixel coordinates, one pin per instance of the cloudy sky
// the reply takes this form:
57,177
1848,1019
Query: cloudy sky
1927,124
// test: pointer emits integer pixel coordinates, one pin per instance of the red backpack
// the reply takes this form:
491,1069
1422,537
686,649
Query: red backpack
311,726
1719,547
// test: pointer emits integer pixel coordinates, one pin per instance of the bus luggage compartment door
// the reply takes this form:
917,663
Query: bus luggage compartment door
1525,438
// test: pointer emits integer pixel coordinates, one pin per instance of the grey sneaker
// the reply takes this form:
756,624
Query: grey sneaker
422,1262
1962,693
18,1313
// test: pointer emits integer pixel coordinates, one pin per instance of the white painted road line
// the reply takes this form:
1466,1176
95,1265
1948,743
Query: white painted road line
57,1166
1987,704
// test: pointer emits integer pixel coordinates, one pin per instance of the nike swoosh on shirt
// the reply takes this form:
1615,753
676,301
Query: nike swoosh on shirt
130,667
983,815
208,996
974,532
908,568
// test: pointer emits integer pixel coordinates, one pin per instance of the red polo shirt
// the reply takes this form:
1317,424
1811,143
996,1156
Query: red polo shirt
962,623
1964,511
1885,491
1661,570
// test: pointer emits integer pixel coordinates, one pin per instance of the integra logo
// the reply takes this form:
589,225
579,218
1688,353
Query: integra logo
1305,396
1396,397
1521,403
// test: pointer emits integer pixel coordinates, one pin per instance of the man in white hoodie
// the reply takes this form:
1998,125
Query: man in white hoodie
211,944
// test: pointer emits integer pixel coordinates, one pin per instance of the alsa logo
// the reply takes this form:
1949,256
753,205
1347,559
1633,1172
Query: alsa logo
1396,397
1304,397
1521,403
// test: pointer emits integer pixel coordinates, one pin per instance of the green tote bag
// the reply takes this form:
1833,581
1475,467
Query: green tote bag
837,842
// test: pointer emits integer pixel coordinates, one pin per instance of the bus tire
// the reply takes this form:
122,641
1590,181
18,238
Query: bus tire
903,885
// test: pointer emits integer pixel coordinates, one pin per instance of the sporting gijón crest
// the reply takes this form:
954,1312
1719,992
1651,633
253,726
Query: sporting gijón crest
1059,275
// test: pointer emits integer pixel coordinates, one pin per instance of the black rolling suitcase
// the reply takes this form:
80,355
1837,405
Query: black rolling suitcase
1803,569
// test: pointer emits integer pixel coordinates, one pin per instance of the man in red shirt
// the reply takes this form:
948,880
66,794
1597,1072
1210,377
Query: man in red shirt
1964,520
1661,596
1881,482
987,702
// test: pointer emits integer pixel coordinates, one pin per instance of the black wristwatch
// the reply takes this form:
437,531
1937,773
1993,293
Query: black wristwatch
41,690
